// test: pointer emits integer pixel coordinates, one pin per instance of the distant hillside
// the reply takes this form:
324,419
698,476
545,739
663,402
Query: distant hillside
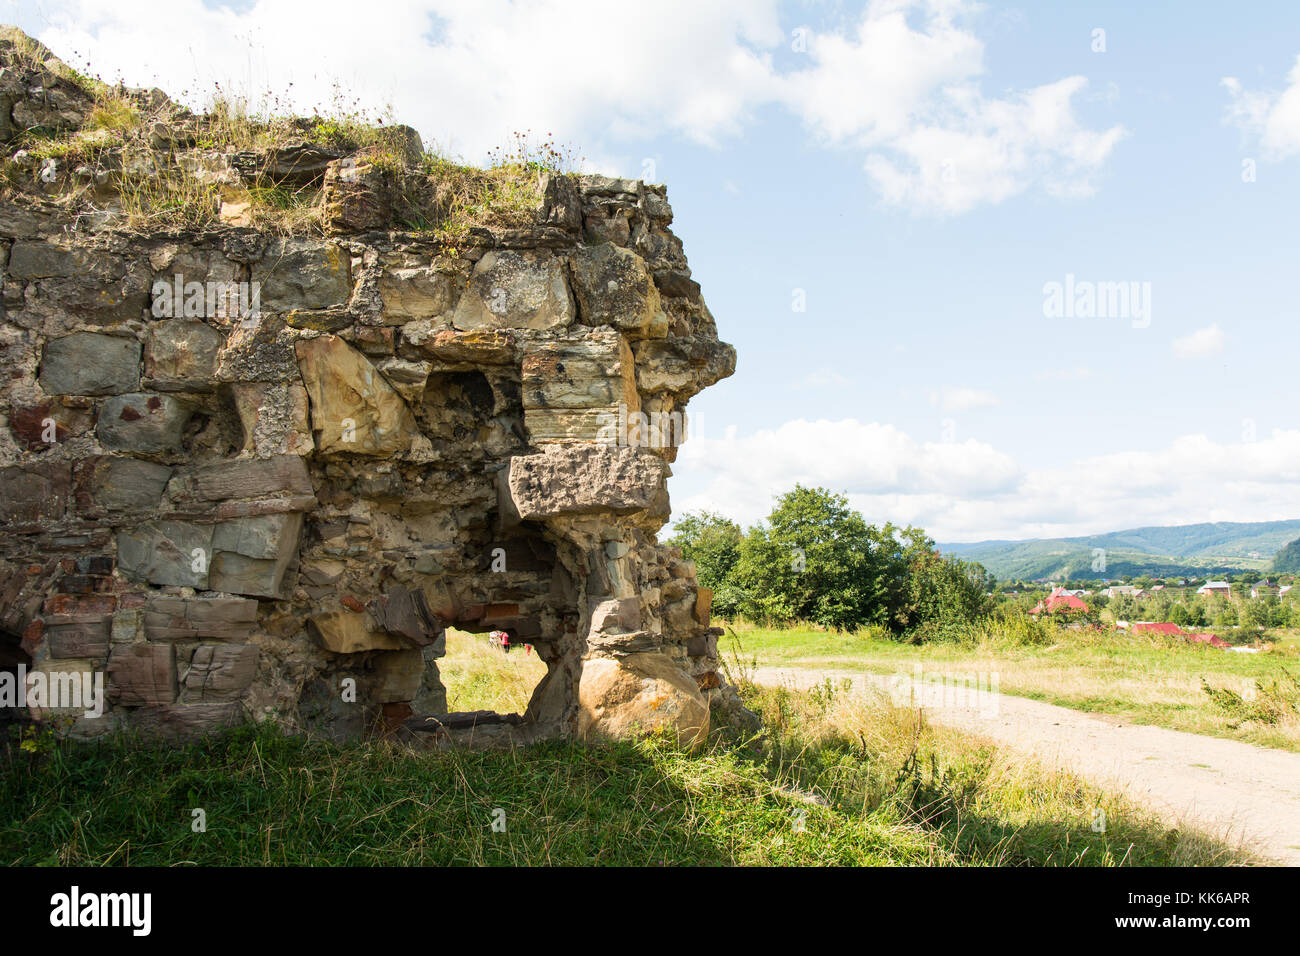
1288,559
1191,549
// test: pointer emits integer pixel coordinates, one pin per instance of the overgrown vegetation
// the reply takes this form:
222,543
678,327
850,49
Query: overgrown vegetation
1271,701
149,164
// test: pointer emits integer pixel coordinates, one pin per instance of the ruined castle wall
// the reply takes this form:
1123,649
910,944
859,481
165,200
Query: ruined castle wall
243,474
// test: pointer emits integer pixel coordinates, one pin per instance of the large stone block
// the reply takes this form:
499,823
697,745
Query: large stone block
273,417
420,291
640,694
613,287
588,479
38,260
121,484
185,721
182,356
395,676
175,553
283,475
143,424
494,347
88,363
303,274
349,632
220,672
353,407
188,619
573,389
77,636
251,555
142,675
515,290
35,493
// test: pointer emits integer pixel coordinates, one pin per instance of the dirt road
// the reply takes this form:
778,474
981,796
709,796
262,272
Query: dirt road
1243,792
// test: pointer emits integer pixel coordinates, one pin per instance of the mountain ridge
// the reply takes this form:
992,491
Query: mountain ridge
1161,550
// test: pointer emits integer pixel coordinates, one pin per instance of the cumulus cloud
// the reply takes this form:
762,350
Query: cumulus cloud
910,96
1207,341
901,83
970,490
1271,116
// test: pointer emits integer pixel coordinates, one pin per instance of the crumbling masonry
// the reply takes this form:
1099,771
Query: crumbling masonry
243,474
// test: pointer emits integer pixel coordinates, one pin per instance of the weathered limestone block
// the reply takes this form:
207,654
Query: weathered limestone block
144,424
496,347
251,555
35,492
349,632
613,287
575,388
303,274
431,697
282,475
142,675
588,479
220,672
358,194
405,613
640,694
38,260
121,484
88,363
77,636
421,291
515,290
182,356
176,553
682,367
703,606
353,408
188,619
262,351
273,417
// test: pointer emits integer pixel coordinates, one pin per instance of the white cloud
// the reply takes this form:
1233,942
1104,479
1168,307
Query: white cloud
1271,116
970,490
901,84
954,399
910,96
1207,341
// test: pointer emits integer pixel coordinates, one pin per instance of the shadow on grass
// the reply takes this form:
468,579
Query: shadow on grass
275,800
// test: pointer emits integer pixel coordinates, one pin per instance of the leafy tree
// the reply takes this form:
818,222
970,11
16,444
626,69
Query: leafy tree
712,542
817,559
946,590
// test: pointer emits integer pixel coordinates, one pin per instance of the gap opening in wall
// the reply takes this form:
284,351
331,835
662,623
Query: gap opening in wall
11,655
489,671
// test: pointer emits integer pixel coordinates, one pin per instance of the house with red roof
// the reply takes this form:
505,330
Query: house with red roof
1060,601
1158,627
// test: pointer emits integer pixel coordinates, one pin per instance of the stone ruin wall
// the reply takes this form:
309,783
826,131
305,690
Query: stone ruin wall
230,511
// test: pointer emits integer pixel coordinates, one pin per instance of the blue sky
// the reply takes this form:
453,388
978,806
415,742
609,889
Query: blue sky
916,172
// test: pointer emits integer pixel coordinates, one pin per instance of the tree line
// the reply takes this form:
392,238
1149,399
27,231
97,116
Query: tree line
816,559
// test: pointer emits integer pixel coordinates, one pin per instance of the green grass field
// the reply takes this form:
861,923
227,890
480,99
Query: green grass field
833,780
1143,679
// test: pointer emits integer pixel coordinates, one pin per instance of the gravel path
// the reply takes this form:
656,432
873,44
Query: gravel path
1244,792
